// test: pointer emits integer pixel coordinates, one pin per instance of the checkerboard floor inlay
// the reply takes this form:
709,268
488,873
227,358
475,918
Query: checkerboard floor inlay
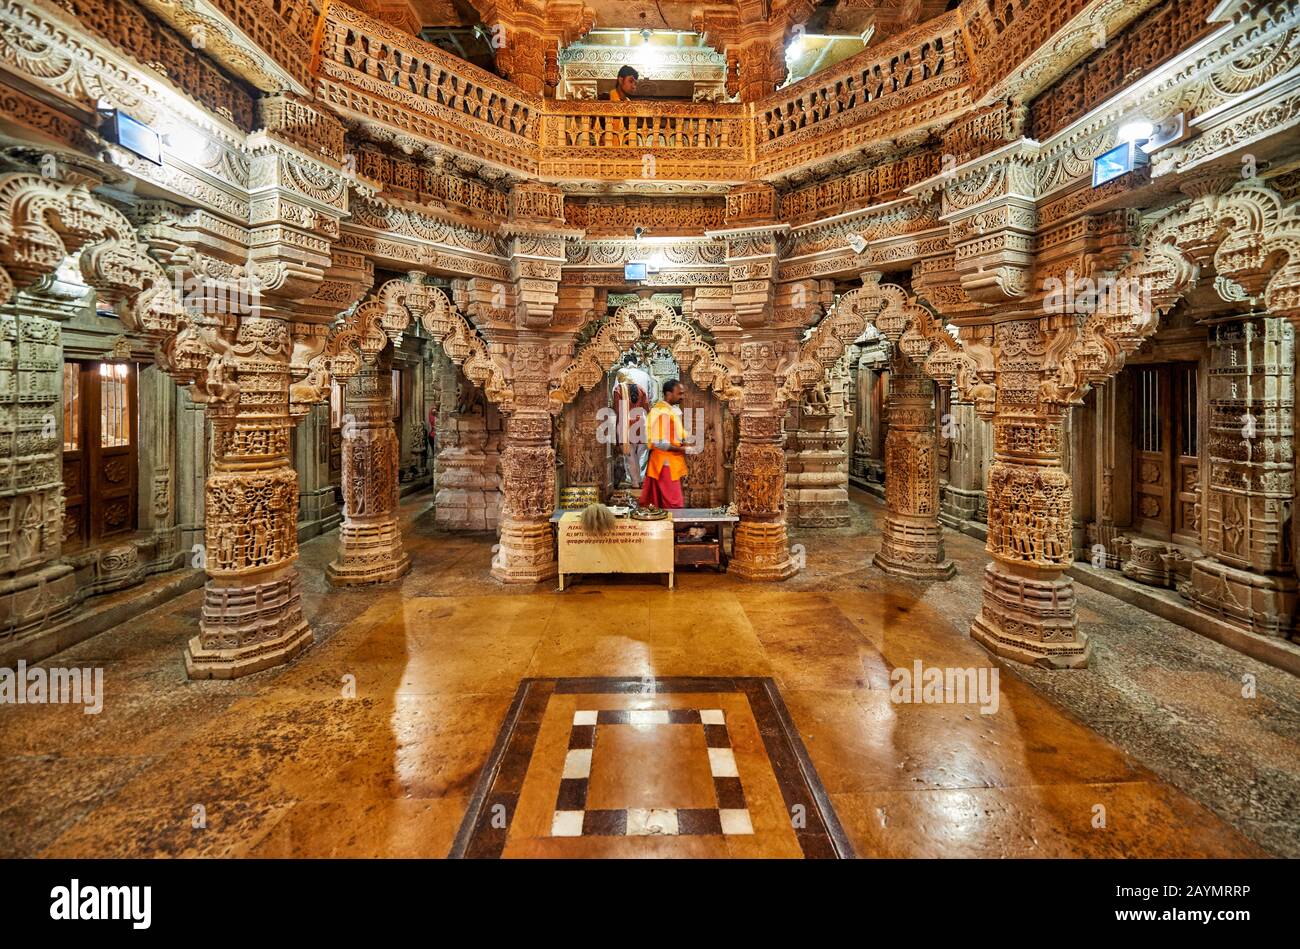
707,767
728,815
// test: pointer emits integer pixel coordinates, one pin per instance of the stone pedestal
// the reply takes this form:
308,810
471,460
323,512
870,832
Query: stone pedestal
370,539
912,540
817,478
1029,615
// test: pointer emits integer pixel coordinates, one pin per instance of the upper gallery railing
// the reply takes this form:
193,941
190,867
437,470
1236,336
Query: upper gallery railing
625,140
912,66
280,29
918,79
368,68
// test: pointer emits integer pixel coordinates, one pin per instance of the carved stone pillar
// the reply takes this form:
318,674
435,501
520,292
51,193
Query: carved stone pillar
370,538
762,64
1028,611
529,41
35,588
157,477
252,610
526,553
469,456
1111,485
912,539
761,547
1249,578
963,498
318,511
193,456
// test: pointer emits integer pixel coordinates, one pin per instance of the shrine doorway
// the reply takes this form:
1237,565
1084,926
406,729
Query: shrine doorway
601,446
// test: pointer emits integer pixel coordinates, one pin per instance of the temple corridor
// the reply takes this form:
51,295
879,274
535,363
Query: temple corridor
285,763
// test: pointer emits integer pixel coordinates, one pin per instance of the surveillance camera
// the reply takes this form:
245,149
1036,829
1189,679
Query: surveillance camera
637,232
858,243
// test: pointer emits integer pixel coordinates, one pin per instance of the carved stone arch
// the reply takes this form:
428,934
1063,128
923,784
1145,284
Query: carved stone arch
403,301
385,317
43,222
628,324
905,322
1247,237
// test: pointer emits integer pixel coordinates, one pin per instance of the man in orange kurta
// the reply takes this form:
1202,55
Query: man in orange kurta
667,435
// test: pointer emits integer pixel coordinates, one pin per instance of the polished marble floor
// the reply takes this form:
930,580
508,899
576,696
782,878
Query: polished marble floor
375,742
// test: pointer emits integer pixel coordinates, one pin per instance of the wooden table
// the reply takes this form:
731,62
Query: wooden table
704,550
631,547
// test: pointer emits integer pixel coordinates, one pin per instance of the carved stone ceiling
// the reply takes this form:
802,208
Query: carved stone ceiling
887,17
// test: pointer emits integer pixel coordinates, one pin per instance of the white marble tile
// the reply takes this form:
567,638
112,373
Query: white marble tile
653,822
584,718
648,716
712,716
722,763
567,824
735,820
577,763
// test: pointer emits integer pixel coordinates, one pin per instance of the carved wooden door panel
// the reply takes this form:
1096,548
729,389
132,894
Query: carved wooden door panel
943,429
1152,451
111,454
1187,466
336,438
76,503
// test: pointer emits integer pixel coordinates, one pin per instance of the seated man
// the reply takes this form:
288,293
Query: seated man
667,435
624,85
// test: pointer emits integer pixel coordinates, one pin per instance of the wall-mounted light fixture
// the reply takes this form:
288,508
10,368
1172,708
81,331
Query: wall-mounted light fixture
1171,130
1117,162
1136,131
132,134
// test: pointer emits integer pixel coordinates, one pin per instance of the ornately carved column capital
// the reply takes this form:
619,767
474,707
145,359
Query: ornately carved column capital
990,207
753,253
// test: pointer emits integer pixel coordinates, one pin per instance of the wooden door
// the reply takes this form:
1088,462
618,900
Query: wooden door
1187,462
100,475
111,449
76,502
1152,451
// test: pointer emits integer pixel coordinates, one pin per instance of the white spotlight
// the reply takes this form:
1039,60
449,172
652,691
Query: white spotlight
858,243
1139,130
